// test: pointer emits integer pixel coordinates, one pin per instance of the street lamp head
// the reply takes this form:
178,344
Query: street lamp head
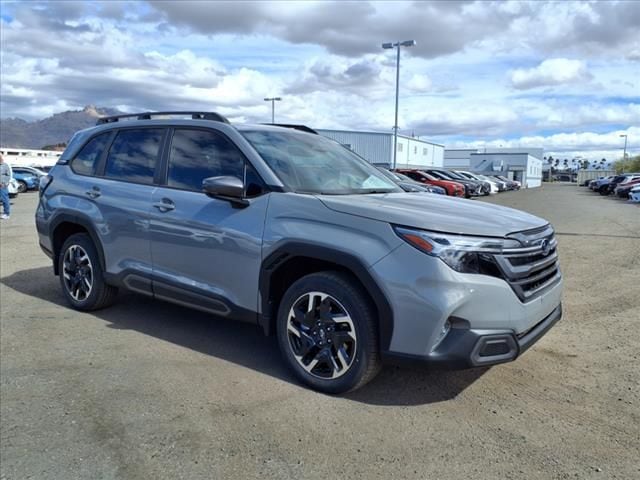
623,136
387,45
408,43
277,99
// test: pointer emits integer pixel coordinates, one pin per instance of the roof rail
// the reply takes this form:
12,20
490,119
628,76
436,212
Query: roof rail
216,117
302,128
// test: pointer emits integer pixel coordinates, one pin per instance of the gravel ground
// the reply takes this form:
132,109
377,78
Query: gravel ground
150,390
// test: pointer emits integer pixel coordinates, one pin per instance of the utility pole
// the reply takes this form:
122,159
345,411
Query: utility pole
273,101
397,45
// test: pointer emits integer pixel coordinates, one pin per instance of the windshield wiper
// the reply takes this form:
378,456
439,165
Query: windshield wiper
375,190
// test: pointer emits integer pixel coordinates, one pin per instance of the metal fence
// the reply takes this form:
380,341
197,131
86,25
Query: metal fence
584,175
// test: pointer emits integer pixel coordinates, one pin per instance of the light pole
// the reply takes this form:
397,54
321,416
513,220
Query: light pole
397,45
273,101
624,153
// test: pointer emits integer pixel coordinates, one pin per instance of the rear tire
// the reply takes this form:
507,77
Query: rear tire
327,332
81,275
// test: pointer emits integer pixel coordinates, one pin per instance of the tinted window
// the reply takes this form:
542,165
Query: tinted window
199,154
133,155
86,160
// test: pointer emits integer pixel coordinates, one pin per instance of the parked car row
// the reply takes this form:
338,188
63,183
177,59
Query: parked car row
619,185
27,178
459,183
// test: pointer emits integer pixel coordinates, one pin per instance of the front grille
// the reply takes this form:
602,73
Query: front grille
533,268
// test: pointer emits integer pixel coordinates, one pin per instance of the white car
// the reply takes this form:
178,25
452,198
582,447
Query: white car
13,188
634,194
480,178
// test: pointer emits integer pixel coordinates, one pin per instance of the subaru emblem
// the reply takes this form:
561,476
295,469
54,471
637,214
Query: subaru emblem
545,247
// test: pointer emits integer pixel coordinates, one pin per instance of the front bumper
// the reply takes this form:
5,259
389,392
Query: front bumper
467,347
425,294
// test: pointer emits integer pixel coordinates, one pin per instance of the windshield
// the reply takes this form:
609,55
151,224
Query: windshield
440,175
466,175
309,163
455,175
395,176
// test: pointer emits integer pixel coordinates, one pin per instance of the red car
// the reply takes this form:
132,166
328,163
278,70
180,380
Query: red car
454,189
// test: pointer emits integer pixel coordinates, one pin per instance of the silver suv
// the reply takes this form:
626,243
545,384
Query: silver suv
280,227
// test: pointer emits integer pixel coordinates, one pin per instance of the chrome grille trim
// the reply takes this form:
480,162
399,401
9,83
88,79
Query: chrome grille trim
529,279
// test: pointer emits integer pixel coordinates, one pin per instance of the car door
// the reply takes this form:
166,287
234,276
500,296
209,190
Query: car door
121,193
206,252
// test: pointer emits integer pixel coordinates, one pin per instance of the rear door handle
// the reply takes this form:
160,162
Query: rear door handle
93,193
166,205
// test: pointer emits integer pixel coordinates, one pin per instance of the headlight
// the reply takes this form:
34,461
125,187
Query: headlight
463,253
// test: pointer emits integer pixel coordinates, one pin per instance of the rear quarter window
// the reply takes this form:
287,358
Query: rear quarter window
85,162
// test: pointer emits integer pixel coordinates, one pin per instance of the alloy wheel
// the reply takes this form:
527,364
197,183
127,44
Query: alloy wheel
321,335
77,272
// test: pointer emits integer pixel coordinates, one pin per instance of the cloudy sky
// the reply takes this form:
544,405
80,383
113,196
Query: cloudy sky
561,75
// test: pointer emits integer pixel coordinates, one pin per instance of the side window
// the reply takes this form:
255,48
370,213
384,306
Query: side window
199,154
86,160
133,155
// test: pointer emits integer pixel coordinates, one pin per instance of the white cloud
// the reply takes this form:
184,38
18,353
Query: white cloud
551,72
591,145
325,60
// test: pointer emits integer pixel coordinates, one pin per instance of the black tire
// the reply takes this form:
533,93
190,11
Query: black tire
604,190
22,186
100,294
341,290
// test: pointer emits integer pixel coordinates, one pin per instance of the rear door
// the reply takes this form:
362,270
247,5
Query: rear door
122,192
206,252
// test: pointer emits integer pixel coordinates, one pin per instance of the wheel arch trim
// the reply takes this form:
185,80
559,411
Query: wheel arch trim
82,221
290,250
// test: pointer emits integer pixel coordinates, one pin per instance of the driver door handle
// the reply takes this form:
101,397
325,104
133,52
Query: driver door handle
166,205
93,193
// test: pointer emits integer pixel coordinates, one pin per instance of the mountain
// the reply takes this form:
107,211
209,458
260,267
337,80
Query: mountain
18,133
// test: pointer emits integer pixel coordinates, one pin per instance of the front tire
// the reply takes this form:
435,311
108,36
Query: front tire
22,186
81,275
327,334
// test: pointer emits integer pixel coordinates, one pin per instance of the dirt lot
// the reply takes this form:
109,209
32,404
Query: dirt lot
149,390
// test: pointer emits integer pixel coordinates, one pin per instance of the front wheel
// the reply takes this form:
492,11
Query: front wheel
22,186
327,333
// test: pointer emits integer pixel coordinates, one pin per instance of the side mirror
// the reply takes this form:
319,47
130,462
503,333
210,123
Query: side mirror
226,188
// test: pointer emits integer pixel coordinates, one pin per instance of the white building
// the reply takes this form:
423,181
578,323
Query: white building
24,157
521,164
377,148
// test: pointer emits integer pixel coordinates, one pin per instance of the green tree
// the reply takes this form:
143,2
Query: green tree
630,164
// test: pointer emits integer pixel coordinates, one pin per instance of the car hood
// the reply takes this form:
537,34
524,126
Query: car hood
435,212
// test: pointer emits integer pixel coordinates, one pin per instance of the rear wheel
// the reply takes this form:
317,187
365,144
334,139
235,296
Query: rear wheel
81,275
327,332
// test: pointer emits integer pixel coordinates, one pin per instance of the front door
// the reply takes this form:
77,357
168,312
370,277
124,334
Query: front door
206,252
